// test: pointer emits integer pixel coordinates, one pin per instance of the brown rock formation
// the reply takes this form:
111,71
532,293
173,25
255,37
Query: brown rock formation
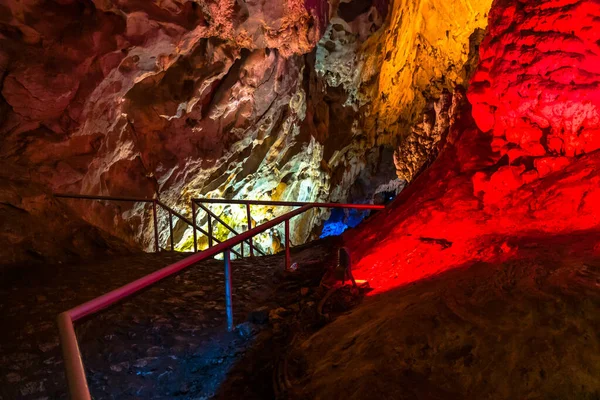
424,140
35,227
220,99
133,98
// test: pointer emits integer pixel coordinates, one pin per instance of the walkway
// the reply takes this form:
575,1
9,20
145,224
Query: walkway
167,342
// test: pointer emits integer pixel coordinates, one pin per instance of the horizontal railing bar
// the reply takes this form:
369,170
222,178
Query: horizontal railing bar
116,295
290,203
111,198
138,200
215,216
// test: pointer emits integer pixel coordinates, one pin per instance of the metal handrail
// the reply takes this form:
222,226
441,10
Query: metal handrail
155,203
226,225
190,223
75,371
290,203
248,203
109,198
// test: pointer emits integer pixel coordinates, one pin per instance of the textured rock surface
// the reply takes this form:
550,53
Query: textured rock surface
474,198
36,228
470,203
425,48
481,264
449,217
134,98
393,76
424,140
537,88
521,329
223,99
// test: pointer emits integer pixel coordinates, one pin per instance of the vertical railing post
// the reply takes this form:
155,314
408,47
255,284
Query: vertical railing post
194,226
228,305
250,227
210,231
171,230
75,373
154,212
287,244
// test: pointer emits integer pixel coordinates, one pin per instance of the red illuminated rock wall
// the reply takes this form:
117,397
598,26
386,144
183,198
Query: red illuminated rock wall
537,85
521,167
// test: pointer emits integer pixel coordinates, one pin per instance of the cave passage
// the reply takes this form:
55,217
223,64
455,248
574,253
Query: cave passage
465,133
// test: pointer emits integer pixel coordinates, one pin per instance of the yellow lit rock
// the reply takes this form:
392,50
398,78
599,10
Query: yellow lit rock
423,49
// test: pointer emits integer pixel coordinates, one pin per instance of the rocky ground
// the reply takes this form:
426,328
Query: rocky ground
526,328
169,341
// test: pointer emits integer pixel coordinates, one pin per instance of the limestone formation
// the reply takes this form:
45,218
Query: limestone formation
536,90
181,98
425,47
423,142
258,99
501,175
393,65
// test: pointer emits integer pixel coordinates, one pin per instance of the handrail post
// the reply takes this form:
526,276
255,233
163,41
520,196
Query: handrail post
210,232
154,212
171,229
194,226
250,227
228,305
287,244
74,371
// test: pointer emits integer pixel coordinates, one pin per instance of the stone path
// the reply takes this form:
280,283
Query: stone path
169,341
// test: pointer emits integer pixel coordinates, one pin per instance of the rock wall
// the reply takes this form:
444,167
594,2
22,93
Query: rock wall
292,100
180,98
537,89
395,75
427,47
392,67
521,167
37,228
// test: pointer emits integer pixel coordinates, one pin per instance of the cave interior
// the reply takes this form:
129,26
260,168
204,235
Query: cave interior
300,199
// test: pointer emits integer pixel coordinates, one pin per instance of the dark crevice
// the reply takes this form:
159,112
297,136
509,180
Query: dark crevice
227,82
349,11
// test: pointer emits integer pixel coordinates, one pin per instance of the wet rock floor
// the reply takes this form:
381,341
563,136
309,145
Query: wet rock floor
169,341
